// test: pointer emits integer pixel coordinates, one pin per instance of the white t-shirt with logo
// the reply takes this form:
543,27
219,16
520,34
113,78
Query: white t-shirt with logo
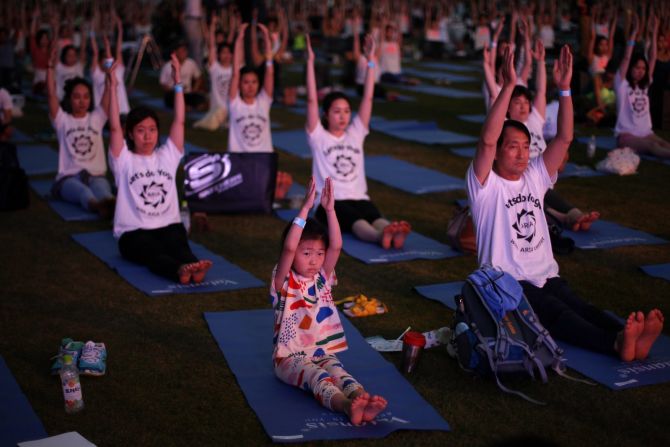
219,81
250,124
389,58
98,77
632,105
80,143
510,226
147,188
535,125
64,73
341,159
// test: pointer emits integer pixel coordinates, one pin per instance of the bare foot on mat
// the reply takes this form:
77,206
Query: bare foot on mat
629,335
199,274
653,325
375,405
357,408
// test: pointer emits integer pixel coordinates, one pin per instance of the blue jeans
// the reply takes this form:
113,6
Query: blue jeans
74,190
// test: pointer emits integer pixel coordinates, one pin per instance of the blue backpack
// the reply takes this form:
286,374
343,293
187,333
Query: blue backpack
496,331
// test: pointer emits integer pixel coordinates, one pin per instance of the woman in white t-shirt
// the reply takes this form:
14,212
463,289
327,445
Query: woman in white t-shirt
631,85
336,142
71,65
147,223
82,168
98,75
220,73
249,106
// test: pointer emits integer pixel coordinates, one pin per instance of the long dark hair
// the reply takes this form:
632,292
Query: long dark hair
136,116
644,82
68,89
327,104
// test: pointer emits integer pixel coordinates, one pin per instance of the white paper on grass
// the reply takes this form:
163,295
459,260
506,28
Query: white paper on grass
69,439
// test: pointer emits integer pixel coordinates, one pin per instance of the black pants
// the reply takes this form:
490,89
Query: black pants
568,318
163,250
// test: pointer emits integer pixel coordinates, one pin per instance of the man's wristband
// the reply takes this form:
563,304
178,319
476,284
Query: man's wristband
179,88
299,222
565,92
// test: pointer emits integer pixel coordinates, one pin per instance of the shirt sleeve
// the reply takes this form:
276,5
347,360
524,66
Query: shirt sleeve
116,164
165,78
99,117
358,127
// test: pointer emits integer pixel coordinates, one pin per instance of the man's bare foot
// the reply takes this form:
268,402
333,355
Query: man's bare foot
402,230
653,325
199,274
628,337
357,408
387,235
586,220
186,271
375,405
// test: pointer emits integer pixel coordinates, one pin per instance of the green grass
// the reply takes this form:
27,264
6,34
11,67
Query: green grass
168,384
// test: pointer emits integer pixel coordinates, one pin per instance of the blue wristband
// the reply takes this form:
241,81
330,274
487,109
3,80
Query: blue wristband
179,88
299,222
631,43
371,64
107,63
565,93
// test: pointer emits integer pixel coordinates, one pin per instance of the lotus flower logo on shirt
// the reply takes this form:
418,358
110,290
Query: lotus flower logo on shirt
252,133
344,165
525,225
153,194
82,145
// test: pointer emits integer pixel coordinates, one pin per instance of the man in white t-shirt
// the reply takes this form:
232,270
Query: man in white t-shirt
505,189
191,78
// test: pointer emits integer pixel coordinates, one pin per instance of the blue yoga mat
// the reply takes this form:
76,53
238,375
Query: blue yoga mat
289,414
478,118
573,170
409,177
37,159
296,190
20,137
416,246
69,212
605,234
605,369
657,270
607,142
437,75
467,152
222,276
442,91
422,132
450,66
18,421
292,141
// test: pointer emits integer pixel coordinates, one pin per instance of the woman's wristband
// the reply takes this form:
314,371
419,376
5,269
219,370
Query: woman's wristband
371,64
269,63
179,87
299,222
567,92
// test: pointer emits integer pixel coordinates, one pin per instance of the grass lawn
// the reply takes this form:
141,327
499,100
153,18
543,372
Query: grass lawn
168,384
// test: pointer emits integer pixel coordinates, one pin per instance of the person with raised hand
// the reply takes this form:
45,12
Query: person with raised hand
336,142
307,328
147,222
505,189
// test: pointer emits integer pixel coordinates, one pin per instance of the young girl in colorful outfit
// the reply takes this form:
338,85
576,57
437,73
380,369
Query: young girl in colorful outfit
337,149
307,329
147,222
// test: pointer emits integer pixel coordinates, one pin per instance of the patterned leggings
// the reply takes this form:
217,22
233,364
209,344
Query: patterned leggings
323,376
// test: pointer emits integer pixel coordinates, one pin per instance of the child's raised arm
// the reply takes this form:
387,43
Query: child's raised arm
293,237
312,100
334,233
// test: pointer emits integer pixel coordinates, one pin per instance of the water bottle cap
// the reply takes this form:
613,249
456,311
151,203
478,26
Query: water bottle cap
415,339
67,359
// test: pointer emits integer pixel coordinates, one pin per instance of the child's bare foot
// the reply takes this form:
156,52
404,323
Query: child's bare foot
199,274
653,325
387,235
357,408
628,337
186,271
375,405
402,230
586,220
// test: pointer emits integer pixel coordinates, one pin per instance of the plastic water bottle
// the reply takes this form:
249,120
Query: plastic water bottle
69,379
591,148
185,215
